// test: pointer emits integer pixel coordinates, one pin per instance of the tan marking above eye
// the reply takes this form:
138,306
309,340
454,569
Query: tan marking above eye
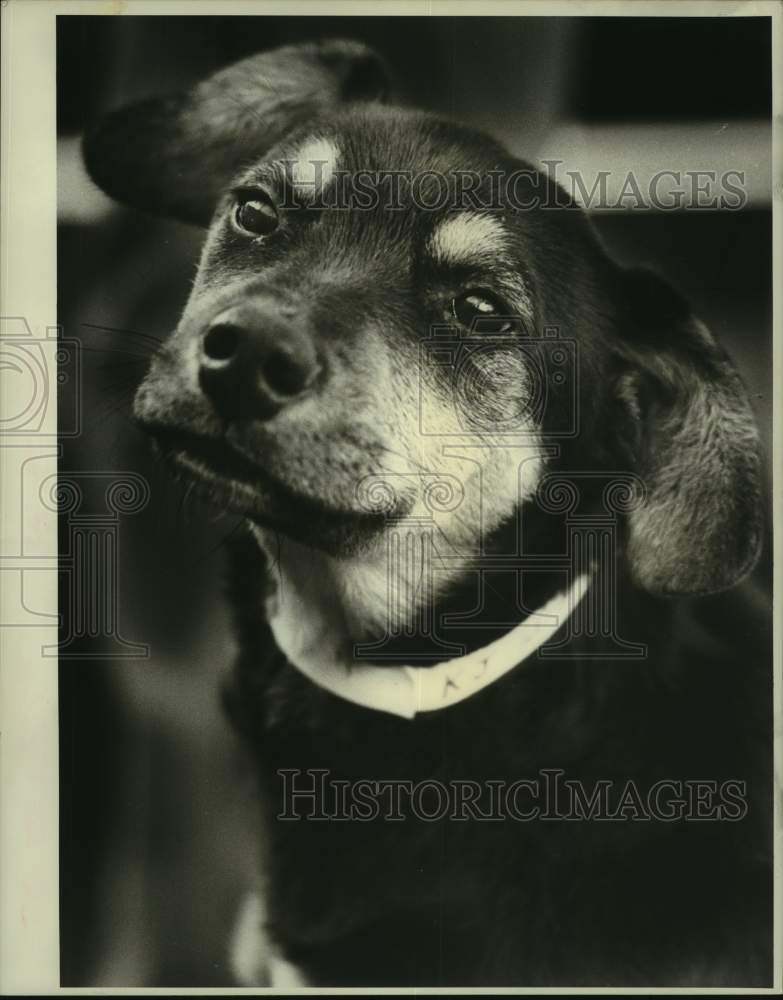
467,237
312,166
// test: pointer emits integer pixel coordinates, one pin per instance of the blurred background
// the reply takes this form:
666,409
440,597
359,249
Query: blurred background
156,806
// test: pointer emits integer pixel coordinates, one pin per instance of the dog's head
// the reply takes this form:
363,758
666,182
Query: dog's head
368,319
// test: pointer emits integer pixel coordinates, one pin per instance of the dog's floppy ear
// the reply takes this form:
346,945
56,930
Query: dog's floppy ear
175,155
695,446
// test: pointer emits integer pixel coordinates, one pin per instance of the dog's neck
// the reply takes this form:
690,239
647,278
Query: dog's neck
333,601
321,605
395,604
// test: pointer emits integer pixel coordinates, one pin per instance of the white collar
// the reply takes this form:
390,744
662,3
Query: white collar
405,691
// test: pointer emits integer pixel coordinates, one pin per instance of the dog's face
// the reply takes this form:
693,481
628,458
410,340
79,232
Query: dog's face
306,350
347,256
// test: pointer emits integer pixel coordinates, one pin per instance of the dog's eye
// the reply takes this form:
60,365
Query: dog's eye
481,312
256,215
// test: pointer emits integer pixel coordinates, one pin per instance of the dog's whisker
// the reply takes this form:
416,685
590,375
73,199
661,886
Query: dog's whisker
146,338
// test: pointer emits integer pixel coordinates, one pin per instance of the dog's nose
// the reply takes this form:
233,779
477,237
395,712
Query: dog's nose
255,362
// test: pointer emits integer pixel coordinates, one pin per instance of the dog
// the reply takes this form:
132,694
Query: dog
498,489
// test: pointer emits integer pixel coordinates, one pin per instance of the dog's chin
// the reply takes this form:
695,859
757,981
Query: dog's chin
231,482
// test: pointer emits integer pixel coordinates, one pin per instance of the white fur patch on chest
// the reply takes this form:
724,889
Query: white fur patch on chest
255,961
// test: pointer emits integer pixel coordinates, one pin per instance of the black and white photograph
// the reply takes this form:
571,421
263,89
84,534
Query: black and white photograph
388,497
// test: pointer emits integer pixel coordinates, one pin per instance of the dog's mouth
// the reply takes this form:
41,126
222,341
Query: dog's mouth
227,478
213,460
